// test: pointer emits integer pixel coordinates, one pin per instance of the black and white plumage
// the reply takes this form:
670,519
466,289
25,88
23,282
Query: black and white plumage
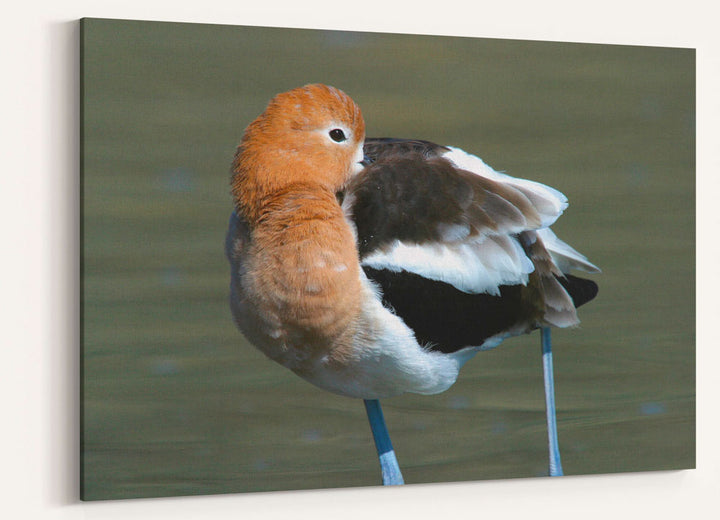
462,253
374,267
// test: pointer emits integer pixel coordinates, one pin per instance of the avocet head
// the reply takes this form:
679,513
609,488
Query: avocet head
312,134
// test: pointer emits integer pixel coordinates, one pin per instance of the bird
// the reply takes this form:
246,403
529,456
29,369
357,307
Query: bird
374,267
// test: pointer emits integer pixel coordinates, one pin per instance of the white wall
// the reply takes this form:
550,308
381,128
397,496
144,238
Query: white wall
38,288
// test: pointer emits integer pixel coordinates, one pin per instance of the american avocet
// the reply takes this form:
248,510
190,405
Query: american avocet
374,267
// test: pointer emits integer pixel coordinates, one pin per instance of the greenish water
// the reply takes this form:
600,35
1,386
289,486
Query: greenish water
176,402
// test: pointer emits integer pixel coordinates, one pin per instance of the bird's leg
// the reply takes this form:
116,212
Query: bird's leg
391,475
554,448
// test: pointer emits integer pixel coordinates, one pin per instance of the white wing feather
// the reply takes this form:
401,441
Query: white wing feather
482,263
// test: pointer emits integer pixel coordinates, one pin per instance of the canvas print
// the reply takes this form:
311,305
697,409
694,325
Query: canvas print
319,259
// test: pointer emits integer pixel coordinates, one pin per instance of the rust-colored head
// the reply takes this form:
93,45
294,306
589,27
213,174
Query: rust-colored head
312,135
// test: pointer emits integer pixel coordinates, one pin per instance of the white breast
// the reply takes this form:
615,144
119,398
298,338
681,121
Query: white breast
387,360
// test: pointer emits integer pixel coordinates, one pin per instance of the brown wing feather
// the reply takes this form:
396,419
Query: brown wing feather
405,196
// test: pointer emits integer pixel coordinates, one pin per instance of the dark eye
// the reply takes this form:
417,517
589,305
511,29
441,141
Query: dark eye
337,135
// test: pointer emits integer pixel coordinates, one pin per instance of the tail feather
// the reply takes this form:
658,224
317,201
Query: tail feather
563,255
561,294
581,290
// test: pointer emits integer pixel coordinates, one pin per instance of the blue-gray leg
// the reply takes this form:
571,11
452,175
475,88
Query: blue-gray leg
391,475
555,464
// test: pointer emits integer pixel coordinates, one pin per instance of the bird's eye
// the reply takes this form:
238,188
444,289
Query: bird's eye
337,135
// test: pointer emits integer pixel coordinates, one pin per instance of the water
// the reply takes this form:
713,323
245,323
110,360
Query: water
176,402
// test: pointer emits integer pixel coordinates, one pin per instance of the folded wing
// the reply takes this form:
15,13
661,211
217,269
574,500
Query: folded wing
446,236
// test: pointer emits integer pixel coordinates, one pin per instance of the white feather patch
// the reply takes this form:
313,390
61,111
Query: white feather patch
475,266
565,256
